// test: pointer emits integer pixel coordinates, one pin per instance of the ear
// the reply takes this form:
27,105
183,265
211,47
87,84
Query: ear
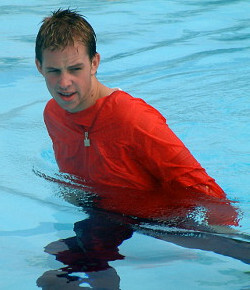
38,65
95,63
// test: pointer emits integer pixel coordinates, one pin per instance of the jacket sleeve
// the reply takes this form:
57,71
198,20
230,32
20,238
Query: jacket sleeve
165,155
167,158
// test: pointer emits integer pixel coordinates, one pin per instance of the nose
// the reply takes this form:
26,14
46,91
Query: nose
64,81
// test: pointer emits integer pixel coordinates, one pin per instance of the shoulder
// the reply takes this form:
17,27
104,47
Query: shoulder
120,98
54,117
50,106
132,109
52,110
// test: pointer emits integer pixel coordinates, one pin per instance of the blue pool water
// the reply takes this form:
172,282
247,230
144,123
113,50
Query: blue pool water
190,60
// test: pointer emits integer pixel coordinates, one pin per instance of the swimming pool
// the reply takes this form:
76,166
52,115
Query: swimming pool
190,60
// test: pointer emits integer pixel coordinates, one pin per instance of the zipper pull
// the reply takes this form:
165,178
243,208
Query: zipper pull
86,139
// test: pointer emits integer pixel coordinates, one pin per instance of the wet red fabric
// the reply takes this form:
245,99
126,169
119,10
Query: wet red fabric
131,147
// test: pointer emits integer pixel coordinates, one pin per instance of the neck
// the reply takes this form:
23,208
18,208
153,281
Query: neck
97,91
100,91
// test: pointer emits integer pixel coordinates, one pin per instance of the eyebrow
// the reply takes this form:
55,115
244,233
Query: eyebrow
76,65
72,66
50,67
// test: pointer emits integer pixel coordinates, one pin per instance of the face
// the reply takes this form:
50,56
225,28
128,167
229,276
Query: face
70,76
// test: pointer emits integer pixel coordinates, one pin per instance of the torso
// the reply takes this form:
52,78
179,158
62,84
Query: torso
109,158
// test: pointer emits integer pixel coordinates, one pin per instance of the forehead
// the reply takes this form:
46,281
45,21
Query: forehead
68,55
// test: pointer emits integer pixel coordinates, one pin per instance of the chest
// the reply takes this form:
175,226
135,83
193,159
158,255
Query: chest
91,152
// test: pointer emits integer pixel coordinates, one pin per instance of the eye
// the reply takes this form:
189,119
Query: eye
76,69
53,71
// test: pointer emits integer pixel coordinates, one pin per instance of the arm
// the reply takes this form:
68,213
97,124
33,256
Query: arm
163,154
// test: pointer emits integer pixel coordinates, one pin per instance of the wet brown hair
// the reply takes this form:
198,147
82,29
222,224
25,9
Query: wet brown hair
63,28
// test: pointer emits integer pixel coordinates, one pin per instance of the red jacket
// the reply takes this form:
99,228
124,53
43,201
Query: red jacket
123,142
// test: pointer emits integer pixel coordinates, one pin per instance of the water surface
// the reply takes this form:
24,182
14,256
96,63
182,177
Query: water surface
190,60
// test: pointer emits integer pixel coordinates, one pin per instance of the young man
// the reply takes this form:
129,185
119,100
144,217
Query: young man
107,137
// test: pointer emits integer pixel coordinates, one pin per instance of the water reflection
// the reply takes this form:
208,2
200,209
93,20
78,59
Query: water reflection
86,255
89,251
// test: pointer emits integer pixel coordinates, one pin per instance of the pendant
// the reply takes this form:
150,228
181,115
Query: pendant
86,139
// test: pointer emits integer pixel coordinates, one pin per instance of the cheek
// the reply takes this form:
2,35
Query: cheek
50,82
83,81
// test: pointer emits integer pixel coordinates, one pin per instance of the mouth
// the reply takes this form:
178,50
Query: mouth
67,96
